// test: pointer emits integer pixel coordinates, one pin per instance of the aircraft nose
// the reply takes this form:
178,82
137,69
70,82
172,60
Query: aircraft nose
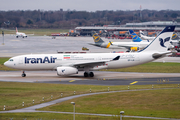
6,63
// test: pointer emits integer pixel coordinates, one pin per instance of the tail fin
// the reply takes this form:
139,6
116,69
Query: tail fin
134,36
175,37
97,38
141,32
16,29
161,42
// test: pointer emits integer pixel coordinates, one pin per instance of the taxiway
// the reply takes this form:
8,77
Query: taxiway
101,78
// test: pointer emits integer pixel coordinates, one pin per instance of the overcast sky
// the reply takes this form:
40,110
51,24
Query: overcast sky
89,5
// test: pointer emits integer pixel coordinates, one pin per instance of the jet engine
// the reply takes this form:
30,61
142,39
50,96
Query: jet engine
66,71
134,48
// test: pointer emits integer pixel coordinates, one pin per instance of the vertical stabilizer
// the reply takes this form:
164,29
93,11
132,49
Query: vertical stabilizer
16,30
134,36
162,41
97,38
175,37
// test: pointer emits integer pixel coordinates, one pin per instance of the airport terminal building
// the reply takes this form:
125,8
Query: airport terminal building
145,26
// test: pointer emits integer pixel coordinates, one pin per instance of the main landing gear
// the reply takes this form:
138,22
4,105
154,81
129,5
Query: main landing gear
88,74
23,74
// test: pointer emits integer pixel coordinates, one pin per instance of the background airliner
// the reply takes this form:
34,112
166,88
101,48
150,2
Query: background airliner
145,37
20,34
135,45
68,64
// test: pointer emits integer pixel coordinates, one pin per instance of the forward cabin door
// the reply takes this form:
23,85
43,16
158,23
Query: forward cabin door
21,60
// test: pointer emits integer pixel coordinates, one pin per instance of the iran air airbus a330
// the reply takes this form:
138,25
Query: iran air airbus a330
68,64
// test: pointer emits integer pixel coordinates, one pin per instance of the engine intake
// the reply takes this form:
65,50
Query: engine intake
134,48
63,71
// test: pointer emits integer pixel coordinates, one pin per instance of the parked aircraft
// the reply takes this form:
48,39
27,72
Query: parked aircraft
20,34
174,36
68,64
146,37
135,45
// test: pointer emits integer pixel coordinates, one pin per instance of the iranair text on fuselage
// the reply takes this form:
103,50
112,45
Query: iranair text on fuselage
34,60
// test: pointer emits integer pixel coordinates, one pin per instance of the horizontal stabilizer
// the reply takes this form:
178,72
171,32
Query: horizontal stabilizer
157,55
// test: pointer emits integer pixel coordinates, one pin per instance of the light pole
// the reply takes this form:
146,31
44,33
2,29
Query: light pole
3,37
121,113
73,103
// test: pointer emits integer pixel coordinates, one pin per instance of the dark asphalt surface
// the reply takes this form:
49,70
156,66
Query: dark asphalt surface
135,81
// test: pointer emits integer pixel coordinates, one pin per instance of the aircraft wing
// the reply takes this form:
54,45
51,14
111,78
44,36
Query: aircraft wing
91,63
94,44
125,46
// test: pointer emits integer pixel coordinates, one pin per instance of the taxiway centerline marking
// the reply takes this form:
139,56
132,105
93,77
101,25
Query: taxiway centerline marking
134,82
71,80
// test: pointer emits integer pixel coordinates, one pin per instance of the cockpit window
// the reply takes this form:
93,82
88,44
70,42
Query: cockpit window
10,59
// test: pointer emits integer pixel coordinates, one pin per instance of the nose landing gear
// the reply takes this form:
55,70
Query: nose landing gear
23,74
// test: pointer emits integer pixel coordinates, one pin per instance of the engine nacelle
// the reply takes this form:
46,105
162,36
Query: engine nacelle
66,71
134,48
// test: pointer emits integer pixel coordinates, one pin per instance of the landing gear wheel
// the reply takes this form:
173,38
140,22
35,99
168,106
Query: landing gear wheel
85,74
23,75
91,74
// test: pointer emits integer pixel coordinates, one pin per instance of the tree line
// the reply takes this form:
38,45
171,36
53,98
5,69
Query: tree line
71,19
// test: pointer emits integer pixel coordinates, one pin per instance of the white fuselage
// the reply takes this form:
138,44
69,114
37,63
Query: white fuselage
140,45
19,34
52,61
147,38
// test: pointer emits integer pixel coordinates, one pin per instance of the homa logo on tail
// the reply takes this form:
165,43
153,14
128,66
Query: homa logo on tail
163,41
96,37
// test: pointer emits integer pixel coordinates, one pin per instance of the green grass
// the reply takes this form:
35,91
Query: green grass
152,67
2,67
37,32
56,116
13,94
155,103
3,59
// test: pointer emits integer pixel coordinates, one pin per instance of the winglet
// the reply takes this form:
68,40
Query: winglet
116,58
